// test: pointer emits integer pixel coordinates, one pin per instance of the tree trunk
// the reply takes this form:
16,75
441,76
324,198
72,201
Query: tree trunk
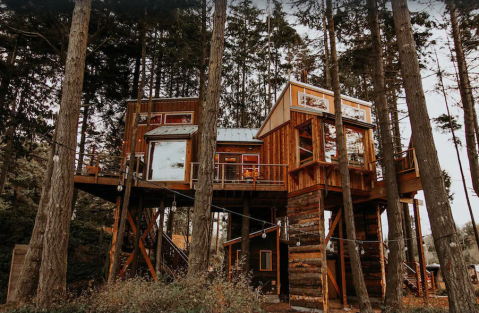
150,97
358,278
204,192
136,247
81,154
458,285
467,100
245,236
55,243
28,279
394,279
7,77
159,241
170,223
131,162
201,104
408,233
327,66
218,234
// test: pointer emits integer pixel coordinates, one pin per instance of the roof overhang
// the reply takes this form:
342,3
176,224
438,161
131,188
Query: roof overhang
172,132
332,116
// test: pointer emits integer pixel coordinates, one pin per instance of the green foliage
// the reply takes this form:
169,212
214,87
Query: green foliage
443,125
448,184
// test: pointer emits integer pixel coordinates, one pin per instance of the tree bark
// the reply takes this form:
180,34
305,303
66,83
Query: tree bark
29,275
217,234
467,101
201,104
394,279
358,278
55,243
204,193
131,162
245,236
458,285
327,66
136,247
82,151
159,241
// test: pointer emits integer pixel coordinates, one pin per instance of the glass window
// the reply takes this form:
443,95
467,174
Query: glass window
311,101
305,144
183,118
167,160
248,170
155,119
266,260
355,146
354,113
330,152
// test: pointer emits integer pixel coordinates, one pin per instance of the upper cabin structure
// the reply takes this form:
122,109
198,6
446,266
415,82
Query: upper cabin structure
285,173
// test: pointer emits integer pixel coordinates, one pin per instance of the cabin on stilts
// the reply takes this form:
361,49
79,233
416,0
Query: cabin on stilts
285,173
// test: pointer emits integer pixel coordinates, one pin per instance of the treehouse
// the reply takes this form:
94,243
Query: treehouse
285,173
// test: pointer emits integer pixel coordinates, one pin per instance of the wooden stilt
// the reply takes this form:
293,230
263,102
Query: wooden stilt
159,242
343,270
420,250
136,257
115,231
218,234
324,263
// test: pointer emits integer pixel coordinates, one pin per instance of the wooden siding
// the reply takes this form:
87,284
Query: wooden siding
159,106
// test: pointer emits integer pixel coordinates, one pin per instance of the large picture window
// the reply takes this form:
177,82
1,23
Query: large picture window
305,145
330,151
354,113
355,146
167,160
179,118
249,171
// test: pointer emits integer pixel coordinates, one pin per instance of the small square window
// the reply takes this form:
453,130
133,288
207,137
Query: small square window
266,260
305,144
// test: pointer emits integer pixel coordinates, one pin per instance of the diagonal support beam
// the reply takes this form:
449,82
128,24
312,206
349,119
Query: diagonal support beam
333,227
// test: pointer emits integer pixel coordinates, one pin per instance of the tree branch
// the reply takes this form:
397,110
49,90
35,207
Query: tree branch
32,34
99,46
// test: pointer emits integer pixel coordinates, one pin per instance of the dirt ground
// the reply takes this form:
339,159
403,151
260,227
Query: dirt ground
335,306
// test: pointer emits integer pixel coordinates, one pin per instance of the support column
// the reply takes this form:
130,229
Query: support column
136,250
218,234
159,240
344,294
306,260
381,251
115,232
420,250
245,235
408,233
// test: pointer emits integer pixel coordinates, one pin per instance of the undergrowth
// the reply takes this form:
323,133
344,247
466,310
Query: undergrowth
205,293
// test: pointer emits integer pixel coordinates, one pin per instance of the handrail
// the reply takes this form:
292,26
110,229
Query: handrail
175,247
398,153
245,164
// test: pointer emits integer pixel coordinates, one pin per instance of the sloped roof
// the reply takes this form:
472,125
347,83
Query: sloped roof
237,135
178,130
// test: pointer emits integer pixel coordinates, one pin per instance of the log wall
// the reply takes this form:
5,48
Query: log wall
306,280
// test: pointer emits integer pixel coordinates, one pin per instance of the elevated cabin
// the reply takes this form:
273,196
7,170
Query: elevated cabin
286,171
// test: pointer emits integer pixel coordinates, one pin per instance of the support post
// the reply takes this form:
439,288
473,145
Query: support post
245,235
136,250
381,251
159,236
218,234
420,250
115,231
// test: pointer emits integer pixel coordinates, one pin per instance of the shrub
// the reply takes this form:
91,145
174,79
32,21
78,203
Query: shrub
205,293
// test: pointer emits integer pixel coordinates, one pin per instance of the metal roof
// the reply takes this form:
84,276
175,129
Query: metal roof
178,130
237,135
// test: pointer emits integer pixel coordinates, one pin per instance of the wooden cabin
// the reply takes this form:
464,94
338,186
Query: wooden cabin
286,171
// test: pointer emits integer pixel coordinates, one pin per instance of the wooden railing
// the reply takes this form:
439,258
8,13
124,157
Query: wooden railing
405,162
254,175
101,165
413,279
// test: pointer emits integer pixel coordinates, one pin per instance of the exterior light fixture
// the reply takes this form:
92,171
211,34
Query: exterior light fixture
173,205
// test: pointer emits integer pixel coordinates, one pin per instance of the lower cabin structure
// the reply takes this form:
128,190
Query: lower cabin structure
286,174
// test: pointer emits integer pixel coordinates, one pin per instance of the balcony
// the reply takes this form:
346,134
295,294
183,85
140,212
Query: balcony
245,176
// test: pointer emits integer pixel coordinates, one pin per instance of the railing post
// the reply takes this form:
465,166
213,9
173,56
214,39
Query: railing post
222,176
418,282
416,166
97,168
254,177
192,167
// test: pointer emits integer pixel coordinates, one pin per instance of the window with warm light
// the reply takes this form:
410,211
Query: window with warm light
266,260
179,118
305,144
249,169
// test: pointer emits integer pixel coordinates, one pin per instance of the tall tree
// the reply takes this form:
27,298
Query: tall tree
394,279
55,243
458,285
356,268
204,192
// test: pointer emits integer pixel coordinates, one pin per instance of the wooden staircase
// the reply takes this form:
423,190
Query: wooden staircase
412,279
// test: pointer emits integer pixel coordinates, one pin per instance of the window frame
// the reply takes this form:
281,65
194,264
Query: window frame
146,114
270,260
150,159
178,113
243,164
302,94
298,140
